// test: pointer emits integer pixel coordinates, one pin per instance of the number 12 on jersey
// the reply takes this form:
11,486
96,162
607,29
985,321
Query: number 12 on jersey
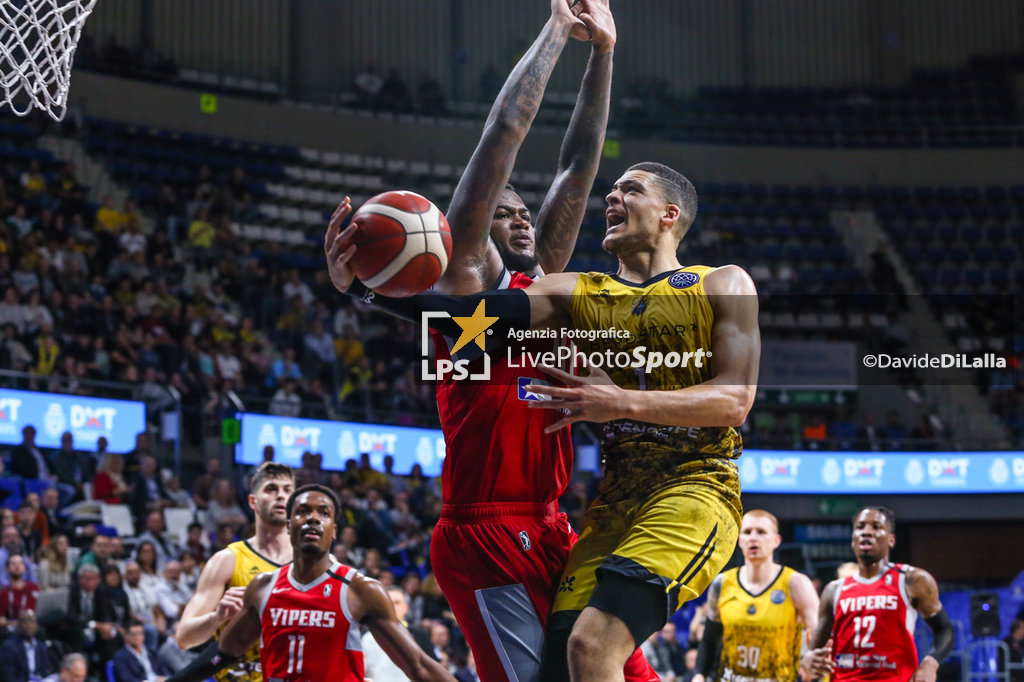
863,627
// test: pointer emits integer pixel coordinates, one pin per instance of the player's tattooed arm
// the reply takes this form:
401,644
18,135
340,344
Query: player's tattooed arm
818,661
373,608
923,592
924,597
710,647
714,592
565,204
475,262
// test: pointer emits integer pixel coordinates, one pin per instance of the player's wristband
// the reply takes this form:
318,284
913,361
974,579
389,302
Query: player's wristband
943,635
210,661
707,652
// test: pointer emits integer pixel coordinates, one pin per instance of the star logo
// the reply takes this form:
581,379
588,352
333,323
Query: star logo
473,328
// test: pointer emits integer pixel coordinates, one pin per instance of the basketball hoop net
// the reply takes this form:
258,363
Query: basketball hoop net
37,47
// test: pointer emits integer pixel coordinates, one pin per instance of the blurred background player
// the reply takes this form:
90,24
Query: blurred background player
507,500
223,580
307,615
757,612
866,622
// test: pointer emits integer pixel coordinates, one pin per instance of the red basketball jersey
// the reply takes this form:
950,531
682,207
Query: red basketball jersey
308,631
874,628
497,450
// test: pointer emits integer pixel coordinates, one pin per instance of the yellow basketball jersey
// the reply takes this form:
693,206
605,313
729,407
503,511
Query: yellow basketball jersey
761,636
248,564
653,336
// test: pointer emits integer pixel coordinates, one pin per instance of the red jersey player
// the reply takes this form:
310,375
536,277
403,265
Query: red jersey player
307,615
866,624
500,546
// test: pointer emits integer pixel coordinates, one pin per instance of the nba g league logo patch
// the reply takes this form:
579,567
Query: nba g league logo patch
524,539
683,280
327,591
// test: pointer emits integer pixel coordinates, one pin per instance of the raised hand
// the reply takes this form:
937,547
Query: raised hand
566,10
338,249
597,16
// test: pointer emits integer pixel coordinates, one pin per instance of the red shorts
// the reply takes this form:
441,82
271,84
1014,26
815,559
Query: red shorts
499,565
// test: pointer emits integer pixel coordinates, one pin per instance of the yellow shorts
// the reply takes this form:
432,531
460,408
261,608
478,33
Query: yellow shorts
678,537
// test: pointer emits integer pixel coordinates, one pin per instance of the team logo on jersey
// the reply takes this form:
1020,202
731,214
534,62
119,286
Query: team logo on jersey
751,610
640,305
888,579
524,540
777,596
525,394
327,591
683,280
566,584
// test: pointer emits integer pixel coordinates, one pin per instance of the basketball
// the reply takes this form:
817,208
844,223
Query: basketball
403,244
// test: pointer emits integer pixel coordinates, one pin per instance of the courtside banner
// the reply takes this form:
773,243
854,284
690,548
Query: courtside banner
339,441
88,419
786,471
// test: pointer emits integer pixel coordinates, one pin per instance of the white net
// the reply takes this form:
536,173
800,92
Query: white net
37,47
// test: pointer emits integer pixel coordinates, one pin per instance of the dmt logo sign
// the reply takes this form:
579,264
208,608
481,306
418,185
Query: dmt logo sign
780,470
863,472
377,442
9,415
948,471
474,329
83,417
307,438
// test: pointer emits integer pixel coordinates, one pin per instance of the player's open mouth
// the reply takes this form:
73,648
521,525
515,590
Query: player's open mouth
281,508
311,534
614,218
866,544
522,241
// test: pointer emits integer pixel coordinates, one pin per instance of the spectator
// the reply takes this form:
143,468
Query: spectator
284,368
179,498
133,663
148,492
11,540
56,522
31,538
224,509
89,603
54,569
172,594
111,577
164,547
23,657
378,666
286,401
202,487
896,433
109,485
19,595
142,599
194,543
72,467
346,550
98,554
440,638
27,459
73,668
296,287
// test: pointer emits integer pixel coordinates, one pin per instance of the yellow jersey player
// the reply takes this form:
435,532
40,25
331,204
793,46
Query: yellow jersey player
668,511
757,612
223,581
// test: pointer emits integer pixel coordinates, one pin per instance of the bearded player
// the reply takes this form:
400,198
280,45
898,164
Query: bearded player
223,581
866,623
307,616
500,545
757,612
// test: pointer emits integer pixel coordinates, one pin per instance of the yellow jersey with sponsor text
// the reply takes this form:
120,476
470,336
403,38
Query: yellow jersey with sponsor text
761,635
668,320
248,564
